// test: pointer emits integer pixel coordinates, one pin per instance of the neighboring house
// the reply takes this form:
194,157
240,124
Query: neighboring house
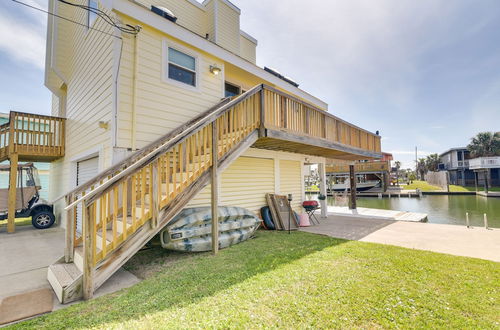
456,162
149,110
487,171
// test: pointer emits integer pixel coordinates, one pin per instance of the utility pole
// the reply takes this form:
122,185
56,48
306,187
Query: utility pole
416,163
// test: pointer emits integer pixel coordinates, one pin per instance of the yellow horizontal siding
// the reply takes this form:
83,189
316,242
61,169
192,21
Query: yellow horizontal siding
228,28
188,15
244,183
247,49
291,182
160,105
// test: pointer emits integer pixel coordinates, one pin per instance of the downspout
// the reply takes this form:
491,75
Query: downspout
134,95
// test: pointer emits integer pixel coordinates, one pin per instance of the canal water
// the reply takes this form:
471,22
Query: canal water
447,209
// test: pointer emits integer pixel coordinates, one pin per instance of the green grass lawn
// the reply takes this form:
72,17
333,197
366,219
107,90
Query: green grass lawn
295,281
18,221
422,185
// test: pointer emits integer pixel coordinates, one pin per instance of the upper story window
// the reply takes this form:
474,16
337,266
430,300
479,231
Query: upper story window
92,4
181,67
231,90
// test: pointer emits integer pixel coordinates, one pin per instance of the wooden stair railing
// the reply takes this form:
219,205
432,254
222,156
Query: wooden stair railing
128,206
113,215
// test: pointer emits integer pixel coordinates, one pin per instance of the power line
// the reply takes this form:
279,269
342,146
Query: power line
66,19
125,28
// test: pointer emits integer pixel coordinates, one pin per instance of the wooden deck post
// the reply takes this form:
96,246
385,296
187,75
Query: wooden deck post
69,233
215,190
11,222
352,196
262,127
154,191
322,187
88,252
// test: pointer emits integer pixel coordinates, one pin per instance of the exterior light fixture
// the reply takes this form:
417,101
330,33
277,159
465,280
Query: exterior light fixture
215,69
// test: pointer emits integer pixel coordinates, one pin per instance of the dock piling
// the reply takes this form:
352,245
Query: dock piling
485,221
379,195
467,219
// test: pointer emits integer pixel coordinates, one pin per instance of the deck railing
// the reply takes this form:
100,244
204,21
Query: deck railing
32,134
285,112
120,204
358,167
129,197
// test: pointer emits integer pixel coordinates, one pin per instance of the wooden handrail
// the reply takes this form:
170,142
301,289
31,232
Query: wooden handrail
169,143
311,106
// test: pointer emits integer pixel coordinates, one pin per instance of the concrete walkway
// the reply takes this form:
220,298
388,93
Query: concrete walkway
451,239
24,259
363,212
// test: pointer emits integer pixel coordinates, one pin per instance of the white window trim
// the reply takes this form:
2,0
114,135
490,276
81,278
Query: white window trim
164,70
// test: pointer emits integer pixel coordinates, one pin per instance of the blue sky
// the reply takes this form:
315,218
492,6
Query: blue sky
424,73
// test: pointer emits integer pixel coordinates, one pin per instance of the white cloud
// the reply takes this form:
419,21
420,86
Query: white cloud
24,39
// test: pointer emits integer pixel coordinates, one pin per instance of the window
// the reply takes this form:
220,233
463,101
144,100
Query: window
92,4
231,90
181,67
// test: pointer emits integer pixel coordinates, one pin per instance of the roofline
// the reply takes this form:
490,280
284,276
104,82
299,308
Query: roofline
452,149
249,37
227,2
145,15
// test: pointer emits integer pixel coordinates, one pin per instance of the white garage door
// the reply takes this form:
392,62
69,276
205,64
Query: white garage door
85,170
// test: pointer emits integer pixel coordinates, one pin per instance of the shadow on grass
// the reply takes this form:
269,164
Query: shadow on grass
174,280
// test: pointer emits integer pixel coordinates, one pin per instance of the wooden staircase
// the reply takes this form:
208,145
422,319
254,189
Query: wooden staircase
110,217
124,207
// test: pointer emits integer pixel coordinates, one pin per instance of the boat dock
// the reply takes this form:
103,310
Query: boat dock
362,212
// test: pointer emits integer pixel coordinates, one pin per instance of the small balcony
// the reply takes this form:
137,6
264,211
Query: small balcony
484,163
32,137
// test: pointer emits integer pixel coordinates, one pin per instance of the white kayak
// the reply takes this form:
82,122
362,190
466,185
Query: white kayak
191,229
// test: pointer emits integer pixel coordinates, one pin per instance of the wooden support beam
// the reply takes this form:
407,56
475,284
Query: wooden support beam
262,125
155,206
69,233
11,222
352,195
322,188
215,191
88,252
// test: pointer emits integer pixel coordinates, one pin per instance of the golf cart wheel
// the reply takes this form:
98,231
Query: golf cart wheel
42,219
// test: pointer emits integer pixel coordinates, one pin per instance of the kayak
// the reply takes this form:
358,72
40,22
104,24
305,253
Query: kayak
191,230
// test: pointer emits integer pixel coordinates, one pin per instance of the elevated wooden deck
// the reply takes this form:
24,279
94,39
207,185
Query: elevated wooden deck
290,124
32,137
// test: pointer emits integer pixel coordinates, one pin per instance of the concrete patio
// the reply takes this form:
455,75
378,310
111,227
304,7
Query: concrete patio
24,258
451,239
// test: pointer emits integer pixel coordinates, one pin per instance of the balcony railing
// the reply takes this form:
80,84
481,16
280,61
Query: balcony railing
32,136
358,167
287,113
484,163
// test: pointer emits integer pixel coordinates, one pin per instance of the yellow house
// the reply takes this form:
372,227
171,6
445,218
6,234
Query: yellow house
166,108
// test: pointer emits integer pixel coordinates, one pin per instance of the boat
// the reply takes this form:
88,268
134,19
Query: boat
191,230
360,186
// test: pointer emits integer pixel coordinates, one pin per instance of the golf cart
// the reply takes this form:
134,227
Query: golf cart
28,201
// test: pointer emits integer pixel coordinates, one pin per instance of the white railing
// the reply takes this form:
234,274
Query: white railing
484,162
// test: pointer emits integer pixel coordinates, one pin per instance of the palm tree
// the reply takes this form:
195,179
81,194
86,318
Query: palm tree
421,168
485,144
398,166
432,162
